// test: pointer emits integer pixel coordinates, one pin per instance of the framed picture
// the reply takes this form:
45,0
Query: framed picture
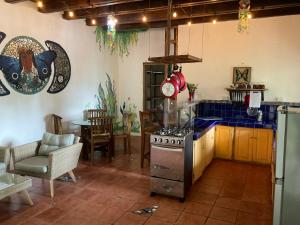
241,75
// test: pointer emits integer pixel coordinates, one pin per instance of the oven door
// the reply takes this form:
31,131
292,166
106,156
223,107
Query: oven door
167,162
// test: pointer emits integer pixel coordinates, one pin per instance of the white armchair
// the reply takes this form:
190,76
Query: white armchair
48,162
4,159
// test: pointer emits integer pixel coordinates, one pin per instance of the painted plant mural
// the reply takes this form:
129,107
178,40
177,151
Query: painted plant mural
108,100
27,66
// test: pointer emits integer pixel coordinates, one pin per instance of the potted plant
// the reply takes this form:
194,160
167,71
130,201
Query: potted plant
192,88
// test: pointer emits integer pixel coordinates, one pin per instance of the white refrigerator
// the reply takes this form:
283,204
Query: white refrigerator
287,172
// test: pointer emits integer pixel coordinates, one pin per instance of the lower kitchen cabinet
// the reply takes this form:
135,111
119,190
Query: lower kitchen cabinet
243,144
203,153
223,142
263,145
253,145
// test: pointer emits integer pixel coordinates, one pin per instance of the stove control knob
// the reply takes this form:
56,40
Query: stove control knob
155,139
167,141
160,140
179,142
173,141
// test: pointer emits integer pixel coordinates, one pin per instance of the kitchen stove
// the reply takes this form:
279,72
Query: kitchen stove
171,161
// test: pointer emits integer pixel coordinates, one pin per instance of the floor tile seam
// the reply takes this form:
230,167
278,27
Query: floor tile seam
225,220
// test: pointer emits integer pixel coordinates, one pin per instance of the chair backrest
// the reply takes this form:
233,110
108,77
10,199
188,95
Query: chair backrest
144,117
127,123
95,113
57,124
101,125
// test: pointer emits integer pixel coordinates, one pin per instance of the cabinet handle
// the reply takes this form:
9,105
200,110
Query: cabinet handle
168,188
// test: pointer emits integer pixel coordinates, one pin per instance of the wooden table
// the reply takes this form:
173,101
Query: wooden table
13,183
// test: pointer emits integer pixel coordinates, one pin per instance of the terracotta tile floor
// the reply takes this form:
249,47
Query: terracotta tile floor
107,193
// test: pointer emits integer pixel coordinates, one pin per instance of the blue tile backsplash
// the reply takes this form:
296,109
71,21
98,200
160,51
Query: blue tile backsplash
231,111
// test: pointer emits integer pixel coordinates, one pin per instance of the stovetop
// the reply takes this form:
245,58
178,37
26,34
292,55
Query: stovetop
173,131
174,136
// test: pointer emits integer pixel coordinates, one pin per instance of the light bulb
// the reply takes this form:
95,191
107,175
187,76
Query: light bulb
94,21
71,14
40,4
175,14
189,23
249,16
214,21
144,19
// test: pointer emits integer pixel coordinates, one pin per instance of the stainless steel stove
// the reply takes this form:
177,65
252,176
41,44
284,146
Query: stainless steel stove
171,161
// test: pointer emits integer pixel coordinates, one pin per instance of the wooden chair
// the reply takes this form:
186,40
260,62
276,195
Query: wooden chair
57,124
147,128
101,134
125,133
94,113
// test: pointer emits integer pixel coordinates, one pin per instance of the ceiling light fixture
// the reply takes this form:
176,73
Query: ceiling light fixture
94,21
175,14
249,16
214,21
144,19
111,22
71,14
40,4
189,23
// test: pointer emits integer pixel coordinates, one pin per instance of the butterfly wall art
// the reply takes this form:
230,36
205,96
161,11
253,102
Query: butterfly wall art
241,75
27,66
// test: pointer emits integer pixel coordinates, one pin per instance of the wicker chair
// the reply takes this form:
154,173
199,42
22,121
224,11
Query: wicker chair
28,161
4,159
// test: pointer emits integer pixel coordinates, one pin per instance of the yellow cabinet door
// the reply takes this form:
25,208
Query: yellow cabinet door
209,146
243,144
262,148
197,159
223,142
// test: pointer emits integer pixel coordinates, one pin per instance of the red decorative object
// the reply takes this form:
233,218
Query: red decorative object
191,96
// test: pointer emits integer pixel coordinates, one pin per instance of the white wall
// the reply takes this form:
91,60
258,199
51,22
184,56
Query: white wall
23,117
130,69
271,48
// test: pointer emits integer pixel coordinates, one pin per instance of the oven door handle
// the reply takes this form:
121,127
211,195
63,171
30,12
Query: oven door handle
170,149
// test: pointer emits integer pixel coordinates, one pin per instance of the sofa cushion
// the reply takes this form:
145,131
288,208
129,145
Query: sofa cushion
37,164
2,167
52,142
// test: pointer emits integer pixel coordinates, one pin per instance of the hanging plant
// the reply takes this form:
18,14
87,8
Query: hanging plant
244,12
117,41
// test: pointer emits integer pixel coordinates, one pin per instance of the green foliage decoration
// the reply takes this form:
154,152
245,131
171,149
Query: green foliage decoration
118,41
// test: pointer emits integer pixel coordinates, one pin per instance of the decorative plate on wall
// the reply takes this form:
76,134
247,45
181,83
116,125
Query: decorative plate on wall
27,66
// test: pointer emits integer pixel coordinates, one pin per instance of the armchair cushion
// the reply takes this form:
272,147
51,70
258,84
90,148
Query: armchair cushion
37,164
52,142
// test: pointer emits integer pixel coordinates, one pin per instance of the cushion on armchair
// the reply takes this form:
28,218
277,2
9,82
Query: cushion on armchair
52,142
37,164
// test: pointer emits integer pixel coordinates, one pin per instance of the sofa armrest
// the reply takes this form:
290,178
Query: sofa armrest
64,160
5,156
25,151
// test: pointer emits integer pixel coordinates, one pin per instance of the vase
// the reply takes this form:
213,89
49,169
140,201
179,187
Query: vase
191,96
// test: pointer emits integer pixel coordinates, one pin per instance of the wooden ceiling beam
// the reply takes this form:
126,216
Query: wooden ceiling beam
224,17
198,12
15,1
64,5
140,7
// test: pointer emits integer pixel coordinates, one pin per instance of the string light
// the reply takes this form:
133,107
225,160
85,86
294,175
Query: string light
144,19
214,21
249,16
71,14
175,14
190,23
94,21
40,4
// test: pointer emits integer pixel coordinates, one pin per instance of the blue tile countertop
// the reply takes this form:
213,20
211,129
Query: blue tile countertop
201,126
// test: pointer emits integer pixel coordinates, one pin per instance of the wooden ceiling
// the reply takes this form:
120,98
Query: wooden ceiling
130,12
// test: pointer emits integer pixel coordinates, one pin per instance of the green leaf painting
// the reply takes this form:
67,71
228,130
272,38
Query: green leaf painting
107,99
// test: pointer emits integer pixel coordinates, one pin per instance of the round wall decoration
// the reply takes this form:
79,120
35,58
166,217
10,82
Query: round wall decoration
26,64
